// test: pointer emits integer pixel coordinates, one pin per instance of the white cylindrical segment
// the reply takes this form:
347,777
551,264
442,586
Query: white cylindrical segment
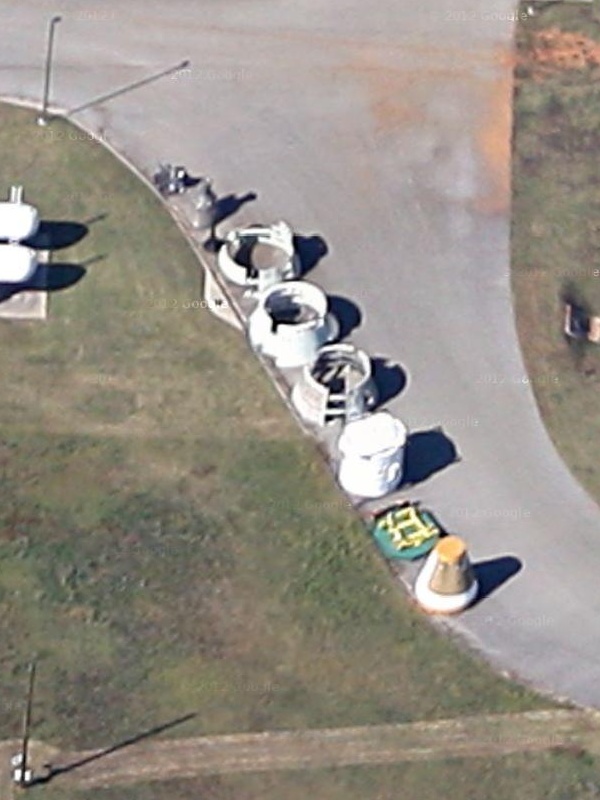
17,263
291,323
372,455
18,221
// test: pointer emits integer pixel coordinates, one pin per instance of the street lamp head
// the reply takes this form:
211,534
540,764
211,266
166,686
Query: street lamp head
56,19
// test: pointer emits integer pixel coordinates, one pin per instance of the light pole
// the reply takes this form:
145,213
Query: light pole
42,119
21,774
27,723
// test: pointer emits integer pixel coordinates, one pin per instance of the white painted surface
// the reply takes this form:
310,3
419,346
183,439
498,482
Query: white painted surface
17,263
372,454
18,221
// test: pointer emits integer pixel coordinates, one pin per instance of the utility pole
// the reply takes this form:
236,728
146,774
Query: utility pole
21,774
43,119
27,722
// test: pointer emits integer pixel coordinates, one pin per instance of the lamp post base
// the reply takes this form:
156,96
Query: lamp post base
19,775
42,121
22,778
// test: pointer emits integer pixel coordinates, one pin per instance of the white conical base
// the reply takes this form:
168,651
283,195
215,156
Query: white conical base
441,603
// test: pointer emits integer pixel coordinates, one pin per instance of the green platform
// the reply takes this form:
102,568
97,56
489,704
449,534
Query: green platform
394,528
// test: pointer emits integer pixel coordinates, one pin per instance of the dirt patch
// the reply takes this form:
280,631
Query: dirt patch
394,106
491,735
388,94
390,86
553,50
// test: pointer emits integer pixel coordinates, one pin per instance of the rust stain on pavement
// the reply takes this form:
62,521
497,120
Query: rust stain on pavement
493,140
387,90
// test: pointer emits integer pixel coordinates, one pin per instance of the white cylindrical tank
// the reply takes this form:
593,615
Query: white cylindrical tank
372,455
291,322
17,263
18,221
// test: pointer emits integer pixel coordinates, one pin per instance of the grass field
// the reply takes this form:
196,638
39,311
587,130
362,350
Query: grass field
169,542
553,776
556,234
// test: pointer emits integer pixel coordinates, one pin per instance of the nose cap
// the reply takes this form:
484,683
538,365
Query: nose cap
447,582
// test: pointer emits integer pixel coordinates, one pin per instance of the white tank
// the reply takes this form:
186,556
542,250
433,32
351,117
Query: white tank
18,221
372,451
17,263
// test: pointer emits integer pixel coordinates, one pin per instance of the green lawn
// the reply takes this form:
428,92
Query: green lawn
556,237
169,542
546,776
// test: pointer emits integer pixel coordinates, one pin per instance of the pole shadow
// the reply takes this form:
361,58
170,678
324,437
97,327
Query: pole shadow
493,572
347,313
97,218
56,235
427,452
92,260
128,88
390,379
54,771
310,250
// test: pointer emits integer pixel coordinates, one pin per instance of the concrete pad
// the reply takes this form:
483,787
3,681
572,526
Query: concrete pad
218,303
31,302
25,305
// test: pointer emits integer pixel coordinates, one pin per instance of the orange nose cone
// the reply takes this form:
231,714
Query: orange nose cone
450,550
447,582
453,573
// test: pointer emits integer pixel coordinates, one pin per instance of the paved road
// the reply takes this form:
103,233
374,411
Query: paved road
383,128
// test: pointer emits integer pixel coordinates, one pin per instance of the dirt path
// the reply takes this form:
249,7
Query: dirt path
164,759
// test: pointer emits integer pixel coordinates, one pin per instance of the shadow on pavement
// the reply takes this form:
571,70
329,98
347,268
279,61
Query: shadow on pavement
310,249
494,572
183,66
427,452
54,235
230,204
225,207
390,379
346,312
53,771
